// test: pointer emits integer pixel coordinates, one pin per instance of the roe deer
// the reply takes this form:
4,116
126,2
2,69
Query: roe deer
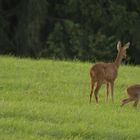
133,95
101,73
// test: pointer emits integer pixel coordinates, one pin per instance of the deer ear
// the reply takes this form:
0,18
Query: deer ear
126,46
118,45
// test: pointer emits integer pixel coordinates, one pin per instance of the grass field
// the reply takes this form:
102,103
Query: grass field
49,100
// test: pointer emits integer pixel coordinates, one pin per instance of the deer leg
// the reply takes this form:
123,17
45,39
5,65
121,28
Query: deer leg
96,91
112,91
125,101
135,103
107,91
92,88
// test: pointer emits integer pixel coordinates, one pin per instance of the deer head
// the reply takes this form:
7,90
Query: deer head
122,50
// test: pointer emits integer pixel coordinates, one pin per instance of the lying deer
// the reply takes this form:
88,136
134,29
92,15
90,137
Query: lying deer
133,95
101,73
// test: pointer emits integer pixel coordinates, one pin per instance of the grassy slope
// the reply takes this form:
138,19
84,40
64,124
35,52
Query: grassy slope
48,99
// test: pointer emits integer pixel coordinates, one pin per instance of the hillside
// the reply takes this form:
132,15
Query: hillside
46,99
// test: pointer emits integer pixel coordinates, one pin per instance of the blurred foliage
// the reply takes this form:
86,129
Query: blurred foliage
69,29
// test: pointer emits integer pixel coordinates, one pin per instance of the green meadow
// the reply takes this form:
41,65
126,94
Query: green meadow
49,100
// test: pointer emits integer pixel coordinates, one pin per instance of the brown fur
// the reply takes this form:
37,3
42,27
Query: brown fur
106,73
133,95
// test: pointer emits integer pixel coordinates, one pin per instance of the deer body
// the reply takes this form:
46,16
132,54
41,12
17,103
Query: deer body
106,73
133,95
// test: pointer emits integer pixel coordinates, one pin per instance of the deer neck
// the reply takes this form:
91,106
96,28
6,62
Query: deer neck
118,59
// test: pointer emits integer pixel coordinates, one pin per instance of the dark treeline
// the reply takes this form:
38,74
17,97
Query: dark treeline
87,30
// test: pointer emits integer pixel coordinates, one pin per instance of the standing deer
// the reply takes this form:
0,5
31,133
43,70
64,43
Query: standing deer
133,95
106,73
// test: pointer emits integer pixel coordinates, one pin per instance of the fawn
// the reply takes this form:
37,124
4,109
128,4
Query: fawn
106,73
133,95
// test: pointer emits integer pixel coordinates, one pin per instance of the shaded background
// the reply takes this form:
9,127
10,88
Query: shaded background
87,30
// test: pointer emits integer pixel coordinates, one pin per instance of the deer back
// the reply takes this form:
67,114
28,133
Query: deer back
102,72
134,91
